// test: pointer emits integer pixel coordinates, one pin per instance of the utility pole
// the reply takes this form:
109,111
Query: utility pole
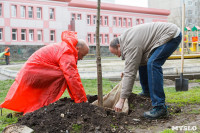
98,58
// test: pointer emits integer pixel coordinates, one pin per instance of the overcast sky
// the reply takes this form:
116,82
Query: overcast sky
141,3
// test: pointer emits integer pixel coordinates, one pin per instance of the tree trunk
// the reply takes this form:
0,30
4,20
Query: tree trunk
98,60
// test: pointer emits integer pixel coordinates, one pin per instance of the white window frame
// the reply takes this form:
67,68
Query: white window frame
94,38
23,34
52,35
31,35
89,38
39,35
106,20
189,20
101,20
78,16
106,39
14,11
100,38
189,2
124,22
14,34
39,12
73,16
120,21
30,12
51,13
142,21
88,19
137,21
1,34
115,21
94,19
22,11
1,12
189,12
129,22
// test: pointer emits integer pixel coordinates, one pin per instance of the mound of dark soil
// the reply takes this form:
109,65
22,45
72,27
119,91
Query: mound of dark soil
66,116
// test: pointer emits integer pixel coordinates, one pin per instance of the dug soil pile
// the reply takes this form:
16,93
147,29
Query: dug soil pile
65,116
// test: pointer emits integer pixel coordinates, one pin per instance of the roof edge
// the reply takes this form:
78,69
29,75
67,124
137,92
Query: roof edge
63,0
116,7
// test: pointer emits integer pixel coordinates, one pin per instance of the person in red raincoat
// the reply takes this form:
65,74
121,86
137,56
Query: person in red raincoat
46,74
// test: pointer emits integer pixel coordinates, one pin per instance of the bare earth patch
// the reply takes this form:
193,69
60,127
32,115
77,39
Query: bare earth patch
65,116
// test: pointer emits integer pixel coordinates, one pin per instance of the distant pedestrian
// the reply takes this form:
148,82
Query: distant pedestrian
7,55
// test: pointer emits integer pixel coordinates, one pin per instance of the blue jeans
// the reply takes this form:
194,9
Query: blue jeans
151,75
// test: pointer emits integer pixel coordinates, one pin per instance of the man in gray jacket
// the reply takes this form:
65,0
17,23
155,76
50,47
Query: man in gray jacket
145,48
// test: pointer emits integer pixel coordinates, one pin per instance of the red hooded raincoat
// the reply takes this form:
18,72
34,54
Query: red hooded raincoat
45,76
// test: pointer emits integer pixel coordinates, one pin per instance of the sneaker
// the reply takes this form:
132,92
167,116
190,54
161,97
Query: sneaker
156,112
144,94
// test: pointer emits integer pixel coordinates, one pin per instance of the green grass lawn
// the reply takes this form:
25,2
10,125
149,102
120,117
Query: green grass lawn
179,98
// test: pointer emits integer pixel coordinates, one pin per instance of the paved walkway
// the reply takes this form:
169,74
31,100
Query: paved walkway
112,68
3,77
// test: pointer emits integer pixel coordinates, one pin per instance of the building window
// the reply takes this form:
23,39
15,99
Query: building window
100,38
0,9
137,21
89,38
78,16
39,35
94,37
23,11
14,11
88,19
106,38
101,20
189,2
52,35
120,22
142,21
124,22
106,21
23,34
1,34
30,12
115,21
14,34
94,19
115,36
129,22
39,12
73,16
51,13
189,20
189,12
31,35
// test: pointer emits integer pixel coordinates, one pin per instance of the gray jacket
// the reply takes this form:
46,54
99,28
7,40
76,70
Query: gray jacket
136,45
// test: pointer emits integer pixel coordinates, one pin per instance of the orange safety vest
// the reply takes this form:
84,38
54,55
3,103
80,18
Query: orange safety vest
7,53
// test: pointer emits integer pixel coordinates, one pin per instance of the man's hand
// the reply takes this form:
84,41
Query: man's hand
119,105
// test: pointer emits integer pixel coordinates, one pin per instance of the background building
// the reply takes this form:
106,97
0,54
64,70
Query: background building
28,25
105,1
192,10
